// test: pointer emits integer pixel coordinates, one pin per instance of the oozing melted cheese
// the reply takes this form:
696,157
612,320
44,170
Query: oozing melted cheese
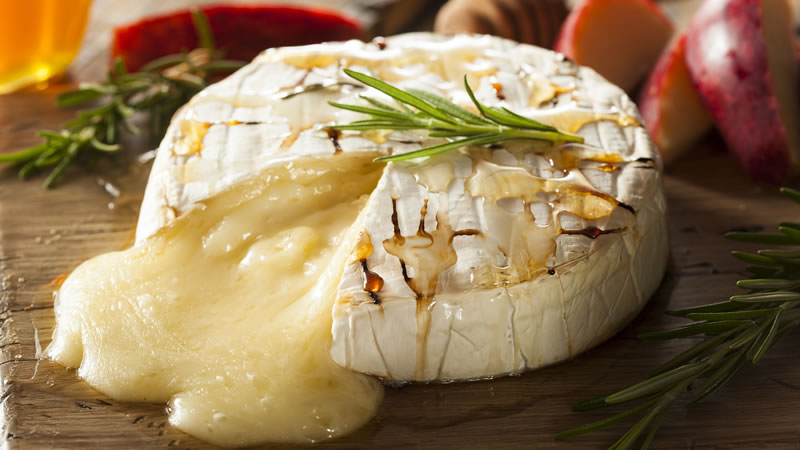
226,313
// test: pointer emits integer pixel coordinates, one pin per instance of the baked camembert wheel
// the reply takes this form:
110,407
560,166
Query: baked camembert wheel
276,264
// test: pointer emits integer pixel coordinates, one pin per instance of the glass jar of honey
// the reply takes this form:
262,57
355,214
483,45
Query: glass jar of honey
38,39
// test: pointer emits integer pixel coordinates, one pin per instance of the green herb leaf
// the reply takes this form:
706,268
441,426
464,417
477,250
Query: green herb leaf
708,327
791,193
442,148
605,422
158,90
422,110
739,332
767,297
656,383
203,29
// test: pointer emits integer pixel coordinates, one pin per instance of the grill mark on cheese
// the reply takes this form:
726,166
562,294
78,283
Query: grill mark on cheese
399,239
334,135
232,123
404,270
498,90
627,207
592,232
422,213
648,163
380,42
396,223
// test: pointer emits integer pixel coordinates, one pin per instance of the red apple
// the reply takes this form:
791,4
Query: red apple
242,30
741,57
620,39
670,106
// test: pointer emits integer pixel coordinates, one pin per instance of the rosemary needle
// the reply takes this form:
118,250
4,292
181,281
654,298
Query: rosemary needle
738,333
422,110
159,88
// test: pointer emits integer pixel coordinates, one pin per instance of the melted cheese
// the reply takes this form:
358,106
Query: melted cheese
226,313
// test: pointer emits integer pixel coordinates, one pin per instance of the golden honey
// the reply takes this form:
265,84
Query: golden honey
38,39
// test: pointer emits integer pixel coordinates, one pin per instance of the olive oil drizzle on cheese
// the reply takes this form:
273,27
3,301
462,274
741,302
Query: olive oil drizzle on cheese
226,313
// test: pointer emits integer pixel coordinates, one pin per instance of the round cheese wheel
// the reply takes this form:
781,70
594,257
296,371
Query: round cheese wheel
477,263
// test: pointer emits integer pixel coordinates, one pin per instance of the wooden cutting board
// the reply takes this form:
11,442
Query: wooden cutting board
46,234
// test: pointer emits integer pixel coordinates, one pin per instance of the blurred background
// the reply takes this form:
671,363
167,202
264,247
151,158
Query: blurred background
56,31
40,38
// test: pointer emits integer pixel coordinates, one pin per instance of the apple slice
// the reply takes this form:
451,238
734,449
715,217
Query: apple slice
741,57
670,106
620,39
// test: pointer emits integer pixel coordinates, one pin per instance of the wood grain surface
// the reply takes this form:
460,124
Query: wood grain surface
46,234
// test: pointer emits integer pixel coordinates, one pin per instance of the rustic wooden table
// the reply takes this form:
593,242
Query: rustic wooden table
45,234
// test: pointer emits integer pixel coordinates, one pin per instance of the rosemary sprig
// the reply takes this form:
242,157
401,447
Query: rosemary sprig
158,89
738,333
422,110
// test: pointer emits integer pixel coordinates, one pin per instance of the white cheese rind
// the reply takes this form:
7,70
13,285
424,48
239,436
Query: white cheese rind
597,288
459,325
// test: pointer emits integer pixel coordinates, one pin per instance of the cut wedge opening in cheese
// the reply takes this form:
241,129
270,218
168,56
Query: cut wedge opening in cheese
226,313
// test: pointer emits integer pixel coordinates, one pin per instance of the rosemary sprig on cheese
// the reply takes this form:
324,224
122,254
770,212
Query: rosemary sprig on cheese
159,88
738,332
422,110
